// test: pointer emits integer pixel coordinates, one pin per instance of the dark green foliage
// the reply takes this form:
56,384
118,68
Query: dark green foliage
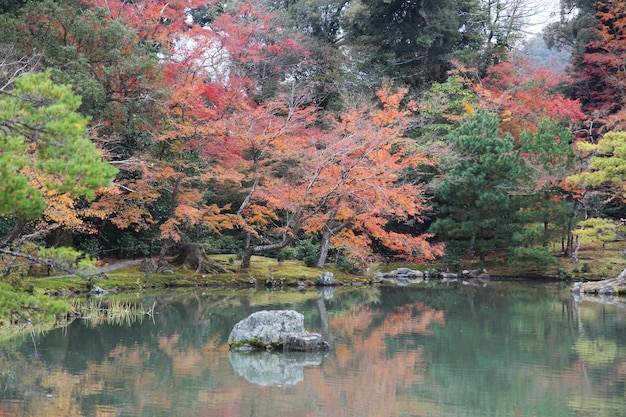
91,247
474,203
206,14
308,251
288,253
217,244
105,64
575,28
351,265
12,7
319,19
131,247
401,39
535,257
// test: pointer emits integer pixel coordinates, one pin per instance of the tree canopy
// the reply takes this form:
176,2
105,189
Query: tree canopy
359,130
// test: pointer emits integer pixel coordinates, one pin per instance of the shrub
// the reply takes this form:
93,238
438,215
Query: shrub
538,257
131,247
308,251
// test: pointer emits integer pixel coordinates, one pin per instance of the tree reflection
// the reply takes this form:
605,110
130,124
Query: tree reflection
463,351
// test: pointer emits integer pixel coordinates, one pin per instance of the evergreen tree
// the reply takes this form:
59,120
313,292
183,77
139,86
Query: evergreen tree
475,207
45,151
409,41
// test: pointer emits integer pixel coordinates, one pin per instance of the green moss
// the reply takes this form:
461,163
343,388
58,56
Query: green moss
262,270
255,344
596,262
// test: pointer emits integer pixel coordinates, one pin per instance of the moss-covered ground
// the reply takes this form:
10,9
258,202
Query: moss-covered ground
262,272
595,263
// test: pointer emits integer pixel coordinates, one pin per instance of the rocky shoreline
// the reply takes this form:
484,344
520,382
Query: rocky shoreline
611,286
407,276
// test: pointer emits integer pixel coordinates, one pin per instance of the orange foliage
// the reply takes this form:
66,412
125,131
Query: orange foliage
523,95
356,185
344,177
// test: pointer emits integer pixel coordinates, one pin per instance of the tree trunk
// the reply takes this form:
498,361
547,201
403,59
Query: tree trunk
249,249
247,252
191,255
470,249
171,214
163,252
325,243
575,252
13,234
569,247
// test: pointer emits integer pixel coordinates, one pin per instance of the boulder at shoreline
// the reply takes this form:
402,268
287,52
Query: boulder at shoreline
611,286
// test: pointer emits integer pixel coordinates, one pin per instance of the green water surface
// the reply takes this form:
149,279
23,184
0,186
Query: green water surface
506,349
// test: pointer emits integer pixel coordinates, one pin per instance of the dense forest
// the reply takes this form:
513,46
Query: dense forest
345,131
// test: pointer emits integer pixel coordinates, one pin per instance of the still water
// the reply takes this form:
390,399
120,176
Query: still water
507,349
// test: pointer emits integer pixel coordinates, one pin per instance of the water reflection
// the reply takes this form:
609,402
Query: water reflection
326,293
502,350
273,368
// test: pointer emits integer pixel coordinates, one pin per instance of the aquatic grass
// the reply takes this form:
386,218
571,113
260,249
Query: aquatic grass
9,332
97,310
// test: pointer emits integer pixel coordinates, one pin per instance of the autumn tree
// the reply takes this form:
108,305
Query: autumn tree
359,185
240,115
600,76
161,89
342,182
525,95
266,149
102,58
119,82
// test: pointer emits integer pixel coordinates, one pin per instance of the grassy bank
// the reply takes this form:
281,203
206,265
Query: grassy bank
262,272
595,263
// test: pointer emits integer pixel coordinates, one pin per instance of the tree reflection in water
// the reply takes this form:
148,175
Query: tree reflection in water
525,350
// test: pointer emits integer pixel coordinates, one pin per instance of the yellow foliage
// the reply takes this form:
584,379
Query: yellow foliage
468,108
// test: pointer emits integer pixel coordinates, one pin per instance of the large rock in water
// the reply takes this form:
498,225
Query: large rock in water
274,329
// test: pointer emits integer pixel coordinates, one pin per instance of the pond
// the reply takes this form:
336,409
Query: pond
506,349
